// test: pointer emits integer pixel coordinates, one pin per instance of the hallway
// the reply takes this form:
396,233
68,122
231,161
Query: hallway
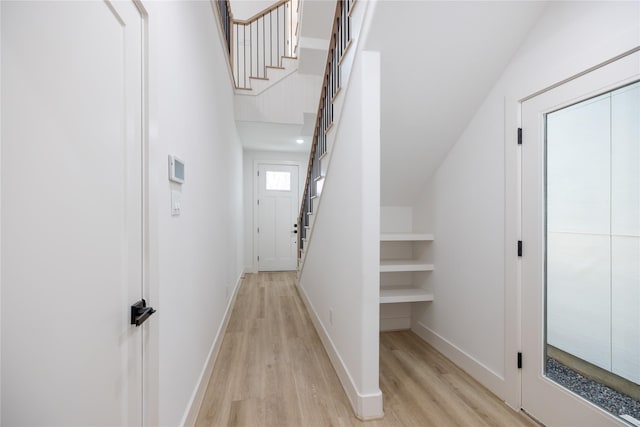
273,371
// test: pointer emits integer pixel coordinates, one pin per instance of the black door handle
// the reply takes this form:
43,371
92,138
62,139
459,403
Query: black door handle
140,312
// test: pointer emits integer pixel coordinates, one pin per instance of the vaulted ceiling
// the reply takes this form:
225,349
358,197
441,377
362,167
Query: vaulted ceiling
439,62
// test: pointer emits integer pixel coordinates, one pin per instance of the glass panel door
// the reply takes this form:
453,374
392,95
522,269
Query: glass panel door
592,249
581,260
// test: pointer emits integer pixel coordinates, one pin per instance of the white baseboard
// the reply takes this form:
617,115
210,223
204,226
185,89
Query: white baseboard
365,406
491,380
190,417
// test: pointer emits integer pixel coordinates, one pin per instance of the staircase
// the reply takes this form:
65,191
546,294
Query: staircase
323,136
262,49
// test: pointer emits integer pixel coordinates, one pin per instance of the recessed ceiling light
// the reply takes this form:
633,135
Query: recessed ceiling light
300,141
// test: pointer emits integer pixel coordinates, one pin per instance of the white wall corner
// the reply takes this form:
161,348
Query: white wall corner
365,406
472,366
195,403
370,193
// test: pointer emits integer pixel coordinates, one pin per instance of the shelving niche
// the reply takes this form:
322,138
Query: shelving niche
405,266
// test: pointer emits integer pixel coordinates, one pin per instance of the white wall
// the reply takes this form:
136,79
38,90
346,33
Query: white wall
245,9
474,317
340,276
249,194
196,258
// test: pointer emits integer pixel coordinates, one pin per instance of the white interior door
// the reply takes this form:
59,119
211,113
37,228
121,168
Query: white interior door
581,234
71,213
277,217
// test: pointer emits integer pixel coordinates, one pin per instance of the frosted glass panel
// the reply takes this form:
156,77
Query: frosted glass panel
625,150
278,181
625,294
578,166
625,228
578,296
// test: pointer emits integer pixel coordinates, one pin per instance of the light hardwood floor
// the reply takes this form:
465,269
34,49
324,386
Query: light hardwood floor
273,371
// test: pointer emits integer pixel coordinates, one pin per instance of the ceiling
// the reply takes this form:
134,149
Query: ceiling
245,9
439,62
273,137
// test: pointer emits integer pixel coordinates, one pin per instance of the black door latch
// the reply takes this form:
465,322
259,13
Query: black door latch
140,312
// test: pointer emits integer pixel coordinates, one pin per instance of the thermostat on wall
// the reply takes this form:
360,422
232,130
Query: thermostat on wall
176,169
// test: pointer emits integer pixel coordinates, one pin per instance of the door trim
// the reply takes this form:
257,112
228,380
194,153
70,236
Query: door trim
254,200
150,267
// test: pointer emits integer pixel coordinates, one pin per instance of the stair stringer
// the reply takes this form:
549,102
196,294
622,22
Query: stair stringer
284,102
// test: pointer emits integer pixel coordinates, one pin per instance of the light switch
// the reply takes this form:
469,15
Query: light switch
176,199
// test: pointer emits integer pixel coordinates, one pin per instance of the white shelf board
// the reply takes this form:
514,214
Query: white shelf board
396,295
393,265
405,237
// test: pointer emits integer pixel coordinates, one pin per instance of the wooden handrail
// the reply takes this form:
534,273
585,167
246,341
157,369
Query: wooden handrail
260,14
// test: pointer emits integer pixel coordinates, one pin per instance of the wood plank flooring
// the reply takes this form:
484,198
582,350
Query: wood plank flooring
273,371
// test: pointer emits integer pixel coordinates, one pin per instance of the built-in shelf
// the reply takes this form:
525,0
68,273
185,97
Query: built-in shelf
406,237
395,265
396,295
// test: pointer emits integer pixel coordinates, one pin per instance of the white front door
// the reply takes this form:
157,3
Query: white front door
581,240
277,217
71,213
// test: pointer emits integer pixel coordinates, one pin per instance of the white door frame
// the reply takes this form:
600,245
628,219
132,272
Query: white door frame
150,264
256,192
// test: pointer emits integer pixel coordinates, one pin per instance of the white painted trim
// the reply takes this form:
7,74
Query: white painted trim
494,382
512,264
0,216
256,186
365,406
193,408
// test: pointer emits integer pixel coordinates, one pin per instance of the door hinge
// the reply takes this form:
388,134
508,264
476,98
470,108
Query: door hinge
519,360
258,257
258,173
258,202
258,229
519,248
519,136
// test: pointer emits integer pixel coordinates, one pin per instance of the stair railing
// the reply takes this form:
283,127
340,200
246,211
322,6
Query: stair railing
340,40
262,41
226,18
